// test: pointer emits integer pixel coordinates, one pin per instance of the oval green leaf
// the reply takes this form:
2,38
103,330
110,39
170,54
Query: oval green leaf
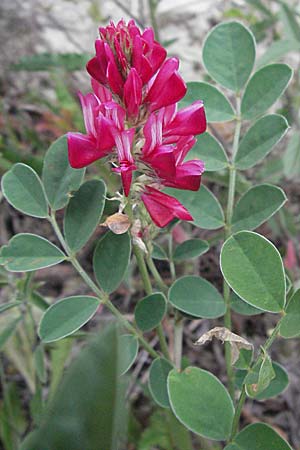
239,306
150,311
158,375
209,150
229,54
290,323
23,189
264,88
260,139
253,268
200,401
158,252
203,206
66,316
256,206
258,436
26,252
129,348
195,296
192,248
111,259
59,178
83,213
217,106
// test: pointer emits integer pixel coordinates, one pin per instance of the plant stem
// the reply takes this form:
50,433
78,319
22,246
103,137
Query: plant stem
156,275
229,212
178,336
100,294
243,395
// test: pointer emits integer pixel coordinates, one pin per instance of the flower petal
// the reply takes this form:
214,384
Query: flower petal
82,150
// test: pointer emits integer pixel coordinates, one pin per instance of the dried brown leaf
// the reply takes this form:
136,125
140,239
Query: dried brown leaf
118,223
225,335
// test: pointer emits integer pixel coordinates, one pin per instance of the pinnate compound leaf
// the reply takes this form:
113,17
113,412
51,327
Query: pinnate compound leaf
196,296
200,401
83,213
59,178
158,375
129,348
259,140
256,206
258,436
111,259
290,323
203,206
224,335
264,88
229,54
209,150
217,106
22,188
253,268
26,252
192,248
150,311
67,316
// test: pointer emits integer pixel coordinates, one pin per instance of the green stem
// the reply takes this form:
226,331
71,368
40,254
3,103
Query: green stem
243,396
156,275
178,336
100,294
229,212
238,412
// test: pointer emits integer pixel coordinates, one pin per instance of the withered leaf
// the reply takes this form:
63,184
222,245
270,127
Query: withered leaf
118,223
225,335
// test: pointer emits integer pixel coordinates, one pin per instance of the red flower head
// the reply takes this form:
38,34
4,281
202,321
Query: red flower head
132,117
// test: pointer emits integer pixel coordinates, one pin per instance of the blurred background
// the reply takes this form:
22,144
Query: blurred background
44,47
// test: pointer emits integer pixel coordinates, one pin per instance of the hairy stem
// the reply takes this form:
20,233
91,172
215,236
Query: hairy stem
100,294
229,212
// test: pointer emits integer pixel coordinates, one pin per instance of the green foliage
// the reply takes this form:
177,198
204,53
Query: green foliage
217,106
128,350
259,140
208,149
83,213
26,252
260,94
197,297
229,54
59,178
111,259
201,402
48,61
87,411
258,436
150,311
256,206
243,308
291,159
23,189
290,323
260,376
192,248
253,268
67,316
210,216
158,375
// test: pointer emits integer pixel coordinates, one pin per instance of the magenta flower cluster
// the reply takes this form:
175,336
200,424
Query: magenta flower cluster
132,117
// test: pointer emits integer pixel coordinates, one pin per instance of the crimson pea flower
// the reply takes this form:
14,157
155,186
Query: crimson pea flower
132,119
